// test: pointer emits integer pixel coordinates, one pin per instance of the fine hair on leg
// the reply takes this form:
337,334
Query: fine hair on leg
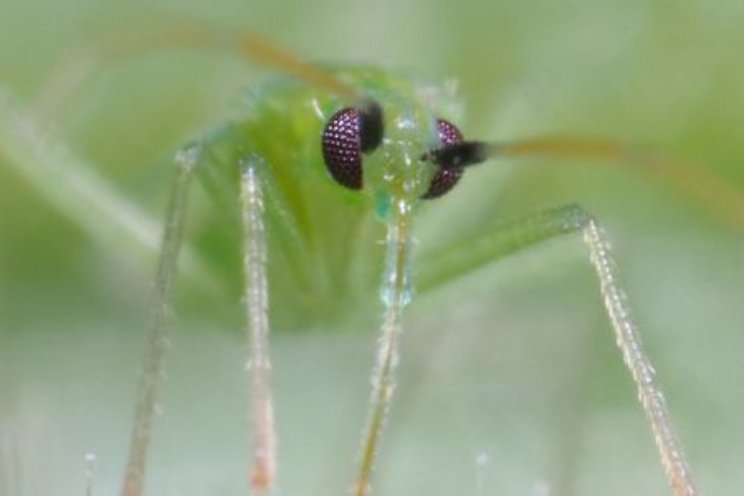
157,341
628,340
439,267
263,455
395,293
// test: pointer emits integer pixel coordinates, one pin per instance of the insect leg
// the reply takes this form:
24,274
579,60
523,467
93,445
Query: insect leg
395,294
443,266
256,306
151,377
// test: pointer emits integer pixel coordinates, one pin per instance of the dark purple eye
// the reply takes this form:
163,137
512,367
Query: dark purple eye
342,147
445,178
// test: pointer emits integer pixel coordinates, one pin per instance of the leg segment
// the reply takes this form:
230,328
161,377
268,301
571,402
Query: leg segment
152,371
256,305
67,181
395,294
74,187
441,267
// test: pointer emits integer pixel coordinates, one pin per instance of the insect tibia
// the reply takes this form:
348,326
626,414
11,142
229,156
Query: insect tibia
396,294
628,340
263,469
157,337
189,156
533,229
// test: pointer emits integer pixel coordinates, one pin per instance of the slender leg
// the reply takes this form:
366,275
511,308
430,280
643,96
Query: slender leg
438,268
152,371
395,294
74,187
68,182
263,462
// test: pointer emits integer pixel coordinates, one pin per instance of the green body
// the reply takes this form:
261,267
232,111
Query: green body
325,241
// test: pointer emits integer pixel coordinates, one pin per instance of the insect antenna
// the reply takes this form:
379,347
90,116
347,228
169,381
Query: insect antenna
72,74
690,179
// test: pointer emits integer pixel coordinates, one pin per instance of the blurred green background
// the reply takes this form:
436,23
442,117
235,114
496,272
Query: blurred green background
515,362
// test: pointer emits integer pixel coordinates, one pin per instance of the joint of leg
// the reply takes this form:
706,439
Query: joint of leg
189,157
575,217
251,161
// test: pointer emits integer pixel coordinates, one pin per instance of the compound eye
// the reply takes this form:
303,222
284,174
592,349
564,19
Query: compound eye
445,178
342,147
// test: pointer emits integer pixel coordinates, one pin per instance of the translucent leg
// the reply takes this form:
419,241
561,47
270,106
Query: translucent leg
263,468
67,181
74,187
152,372
440,267
395,294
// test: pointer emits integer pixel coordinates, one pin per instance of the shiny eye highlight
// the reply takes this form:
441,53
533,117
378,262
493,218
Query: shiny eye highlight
445,178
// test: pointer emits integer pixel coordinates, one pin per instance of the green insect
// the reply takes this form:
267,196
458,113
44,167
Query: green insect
334,148
356,152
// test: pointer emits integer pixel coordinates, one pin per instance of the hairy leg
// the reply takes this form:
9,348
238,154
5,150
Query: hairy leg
395,293
152,371
263,469
442,266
